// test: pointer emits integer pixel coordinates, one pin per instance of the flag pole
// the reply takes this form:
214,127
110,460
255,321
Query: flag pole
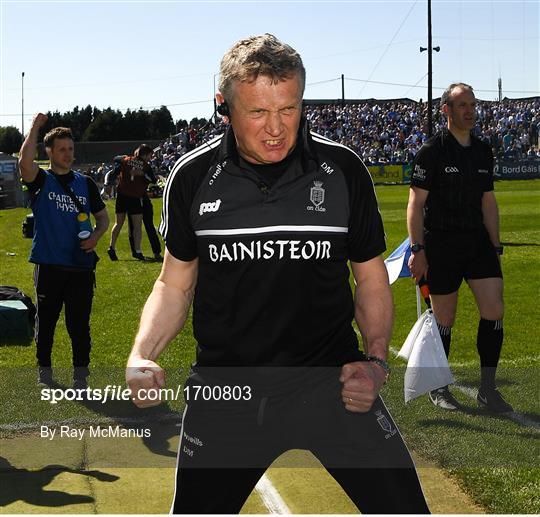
418,301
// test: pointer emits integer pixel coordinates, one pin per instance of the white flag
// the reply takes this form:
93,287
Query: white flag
427,367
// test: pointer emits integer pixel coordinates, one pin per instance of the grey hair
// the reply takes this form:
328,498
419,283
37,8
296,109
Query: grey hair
259,55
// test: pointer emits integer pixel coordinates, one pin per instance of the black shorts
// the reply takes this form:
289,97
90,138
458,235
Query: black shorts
454,256
226,447
130,205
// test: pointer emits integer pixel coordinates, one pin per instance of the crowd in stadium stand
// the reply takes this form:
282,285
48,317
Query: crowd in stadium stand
389,132
392,132
385,132
511,127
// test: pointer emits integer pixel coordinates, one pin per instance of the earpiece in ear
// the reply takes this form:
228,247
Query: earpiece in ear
223,110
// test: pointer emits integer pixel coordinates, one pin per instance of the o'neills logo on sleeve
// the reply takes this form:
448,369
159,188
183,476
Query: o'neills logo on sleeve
266,250
419,173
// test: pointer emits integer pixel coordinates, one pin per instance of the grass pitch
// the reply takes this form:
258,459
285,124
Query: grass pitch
494,459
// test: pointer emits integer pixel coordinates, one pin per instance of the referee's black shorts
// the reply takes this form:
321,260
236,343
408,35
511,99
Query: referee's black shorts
454,256
126,204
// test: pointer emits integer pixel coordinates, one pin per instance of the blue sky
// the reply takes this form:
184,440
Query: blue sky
133,54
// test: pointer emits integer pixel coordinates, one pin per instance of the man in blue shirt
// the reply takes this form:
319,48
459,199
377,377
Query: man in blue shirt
62,201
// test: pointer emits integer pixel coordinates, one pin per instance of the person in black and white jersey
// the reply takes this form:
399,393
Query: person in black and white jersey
260,226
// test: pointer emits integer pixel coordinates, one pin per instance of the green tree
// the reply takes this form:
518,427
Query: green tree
105,127
134,125
10,139
161,123
197,123
181,125
93,124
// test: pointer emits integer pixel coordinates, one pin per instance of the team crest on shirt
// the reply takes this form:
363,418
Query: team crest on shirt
451,170
385,424
316,196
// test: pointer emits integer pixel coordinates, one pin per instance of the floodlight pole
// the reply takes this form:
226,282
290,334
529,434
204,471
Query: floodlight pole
430,74
22,104
342,90
215,102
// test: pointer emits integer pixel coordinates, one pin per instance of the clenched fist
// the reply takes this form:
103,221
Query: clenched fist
143,375
39,120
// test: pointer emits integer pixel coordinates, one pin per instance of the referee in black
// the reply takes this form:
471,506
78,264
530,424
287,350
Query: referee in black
453,224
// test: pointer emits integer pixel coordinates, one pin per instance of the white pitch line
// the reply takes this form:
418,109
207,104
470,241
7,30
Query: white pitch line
519,362
470,392
270,497
518,418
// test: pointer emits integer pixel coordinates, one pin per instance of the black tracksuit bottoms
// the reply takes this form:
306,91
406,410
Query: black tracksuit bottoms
225,447
148,221
74,290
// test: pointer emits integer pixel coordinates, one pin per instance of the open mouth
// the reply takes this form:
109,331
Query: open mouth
273,143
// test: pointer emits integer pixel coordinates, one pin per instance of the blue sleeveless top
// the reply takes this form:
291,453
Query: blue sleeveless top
56,228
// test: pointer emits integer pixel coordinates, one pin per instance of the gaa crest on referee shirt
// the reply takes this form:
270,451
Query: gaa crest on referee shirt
316,196
385,424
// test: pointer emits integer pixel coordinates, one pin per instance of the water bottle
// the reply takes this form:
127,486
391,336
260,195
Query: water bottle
85,227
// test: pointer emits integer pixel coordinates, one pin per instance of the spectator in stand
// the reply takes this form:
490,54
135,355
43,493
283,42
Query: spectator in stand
393,131
507,140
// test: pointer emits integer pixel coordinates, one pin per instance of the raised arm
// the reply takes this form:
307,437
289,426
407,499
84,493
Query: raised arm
27,165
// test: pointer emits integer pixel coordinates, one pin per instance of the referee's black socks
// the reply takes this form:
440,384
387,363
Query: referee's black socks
446,336
489,343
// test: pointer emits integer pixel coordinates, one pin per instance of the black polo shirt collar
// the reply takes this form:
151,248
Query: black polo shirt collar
449,137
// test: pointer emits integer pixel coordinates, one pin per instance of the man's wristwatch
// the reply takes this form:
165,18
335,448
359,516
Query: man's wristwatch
499,250
382,363
416,247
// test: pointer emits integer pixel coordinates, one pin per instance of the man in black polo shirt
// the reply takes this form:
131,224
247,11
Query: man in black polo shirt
453,224
260,225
